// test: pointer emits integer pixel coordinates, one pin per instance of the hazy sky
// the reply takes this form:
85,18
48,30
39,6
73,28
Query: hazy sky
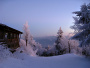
44,17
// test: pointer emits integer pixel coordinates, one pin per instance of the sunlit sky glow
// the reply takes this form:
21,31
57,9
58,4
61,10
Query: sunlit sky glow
44,17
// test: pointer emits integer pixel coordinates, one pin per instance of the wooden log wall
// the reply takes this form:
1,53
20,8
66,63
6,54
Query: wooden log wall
11,39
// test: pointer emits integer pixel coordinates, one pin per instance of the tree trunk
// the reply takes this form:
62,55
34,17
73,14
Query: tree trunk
26,42
69,47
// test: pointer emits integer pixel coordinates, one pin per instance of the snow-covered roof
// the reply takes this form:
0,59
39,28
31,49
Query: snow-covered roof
9,29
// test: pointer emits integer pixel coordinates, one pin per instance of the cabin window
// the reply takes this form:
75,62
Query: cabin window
17,36
12,36
6,34
1,35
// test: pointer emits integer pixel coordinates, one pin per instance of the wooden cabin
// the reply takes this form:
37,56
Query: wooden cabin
9,36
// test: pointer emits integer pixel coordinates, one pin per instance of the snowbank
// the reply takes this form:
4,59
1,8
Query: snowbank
62,61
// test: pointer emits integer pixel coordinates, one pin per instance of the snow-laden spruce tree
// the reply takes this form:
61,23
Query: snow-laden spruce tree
31,45
27,36
26,33
82,25
59,43
26,45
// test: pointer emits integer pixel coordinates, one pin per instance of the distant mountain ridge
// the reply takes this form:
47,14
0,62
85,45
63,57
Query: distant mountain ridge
45,41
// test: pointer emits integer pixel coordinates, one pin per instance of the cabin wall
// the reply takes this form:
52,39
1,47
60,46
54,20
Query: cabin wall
11,39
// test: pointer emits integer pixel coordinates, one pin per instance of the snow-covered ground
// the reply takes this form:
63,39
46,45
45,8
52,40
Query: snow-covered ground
62,61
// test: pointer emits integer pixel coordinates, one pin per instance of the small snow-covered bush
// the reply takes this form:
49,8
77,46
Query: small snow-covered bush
74,47
4,52
26,49
86,51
